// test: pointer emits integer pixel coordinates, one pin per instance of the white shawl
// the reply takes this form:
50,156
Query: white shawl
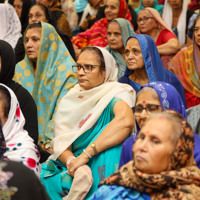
19,145
181,26
10,25
79,109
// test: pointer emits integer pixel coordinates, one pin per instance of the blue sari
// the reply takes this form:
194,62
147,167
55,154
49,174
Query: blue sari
170,100
53,174
126,32
115,192
154,67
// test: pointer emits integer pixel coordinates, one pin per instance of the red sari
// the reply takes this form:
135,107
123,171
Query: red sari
97,34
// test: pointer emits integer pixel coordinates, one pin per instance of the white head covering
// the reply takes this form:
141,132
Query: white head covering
181,26
10,25
19,145
79,109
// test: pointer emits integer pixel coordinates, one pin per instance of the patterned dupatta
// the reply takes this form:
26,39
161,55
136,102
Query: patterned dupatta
97,34
181,181
10,26
19,145
70,123
186,66
53,78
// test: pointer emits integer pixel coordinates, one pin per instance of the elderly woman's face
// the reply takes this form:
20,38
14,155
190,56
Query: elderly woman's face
146,23
147,103
36,14
114,37
148,3
94,78
133,55
176,4
18,4
112,9
153,147
197,32
32,43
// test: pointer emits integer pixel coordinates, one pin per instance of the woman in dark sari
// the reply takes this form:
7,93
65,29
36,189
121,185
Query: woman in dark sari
145,66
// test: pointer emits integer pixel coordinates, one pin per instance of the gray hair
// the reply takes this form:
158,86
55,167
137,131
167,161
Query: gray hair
145,89
175,120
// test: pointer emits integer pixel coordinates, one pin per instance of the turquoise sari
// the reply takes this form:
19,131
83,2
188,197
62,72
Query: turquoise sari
52,80
156,6
53,174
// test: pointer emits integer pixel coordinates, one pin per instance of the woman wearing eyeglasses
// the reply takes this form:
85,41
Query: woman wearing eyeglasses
91,123
151,23
143,65
154,98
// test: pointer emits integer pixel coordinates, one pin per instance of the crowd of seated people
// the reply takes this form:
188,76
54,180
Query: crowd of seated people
99,99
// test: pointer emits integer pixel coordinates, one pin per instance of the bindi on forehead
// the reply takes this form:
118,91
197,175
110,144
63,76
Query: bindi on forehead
147,132
143,101
129,46
160,118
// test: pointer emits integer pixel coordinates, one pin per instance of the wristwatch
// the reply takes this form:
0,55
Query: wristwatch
93,145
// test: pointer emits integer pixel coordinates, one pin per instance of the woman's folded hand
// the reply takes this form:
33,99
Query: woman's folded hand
81,160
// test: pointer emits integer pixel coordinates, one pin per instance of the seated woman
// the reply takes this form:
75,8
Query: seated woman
163,165
10,26
39,12
61,20
179,18
186,66
19,145
152,3
97,34
153,98
119,30
151,23
144,65
91,123
26,101
46,72
22,8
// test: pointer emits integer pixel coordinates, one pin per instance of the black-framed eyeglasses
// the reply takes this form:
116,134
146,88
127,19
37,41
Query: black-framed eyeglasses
144,19
87,68
150,108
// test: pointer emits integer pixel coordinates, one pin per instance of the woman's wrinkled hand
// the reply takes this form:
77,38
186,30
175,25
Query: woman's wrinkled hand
81,160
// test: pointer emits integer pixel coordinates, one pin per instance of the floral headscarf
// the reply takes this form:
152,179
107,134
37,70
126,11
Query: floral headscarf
181,181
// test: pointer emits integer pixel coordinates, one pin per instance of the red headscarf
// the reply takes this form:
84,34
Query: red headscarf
124,12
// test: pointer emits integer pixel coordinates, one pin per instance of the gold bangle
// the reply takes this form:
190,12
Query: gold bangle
93,145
